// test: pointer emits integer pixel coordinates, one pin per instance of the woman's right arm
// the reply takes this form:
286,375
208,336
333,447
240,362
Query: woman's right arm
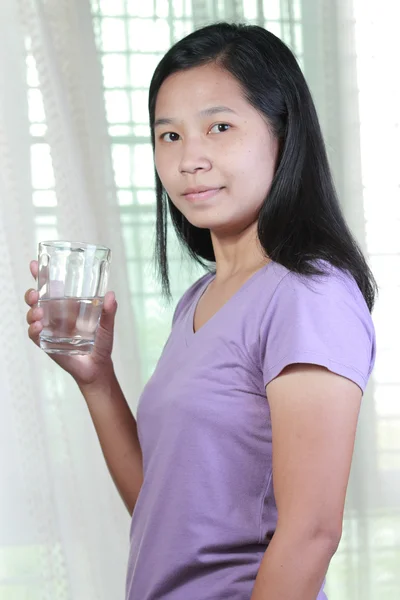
117,432
110,412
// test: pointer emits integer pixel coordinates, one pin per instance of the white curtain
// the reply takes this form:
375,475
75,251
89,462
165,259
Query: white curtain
64,530
75,163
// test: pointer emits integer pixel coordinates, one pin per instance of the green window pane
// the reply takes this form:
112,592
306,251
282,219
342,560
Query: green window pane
139,101
117,106
142,168
113,34
121,163
272,9
148,35
115,70
42,168
36,108
112,7
142,67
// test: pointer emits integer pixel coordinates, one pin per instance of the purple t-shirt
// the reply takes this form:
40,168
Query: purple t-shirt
206,511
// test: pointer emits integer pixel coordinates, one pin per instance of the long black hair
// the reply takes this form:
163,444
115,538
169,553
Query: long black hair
300,220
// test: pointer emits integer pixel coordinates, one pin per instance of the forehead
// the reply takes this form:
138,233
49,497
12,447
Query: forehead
197,87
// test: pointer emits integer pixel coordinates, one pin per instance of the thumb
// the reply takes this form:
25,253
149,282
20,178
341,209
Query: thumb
107,318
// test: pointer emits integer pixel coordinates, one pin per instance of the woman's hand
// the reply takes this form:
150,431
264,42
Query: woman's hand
85,369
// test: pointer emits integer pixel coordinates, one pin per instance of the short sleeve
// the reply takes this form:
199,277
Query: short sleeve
323,320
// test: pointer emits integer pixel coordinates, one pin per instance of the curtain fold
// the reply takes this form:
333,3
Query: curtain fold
64,530
63,46
331,71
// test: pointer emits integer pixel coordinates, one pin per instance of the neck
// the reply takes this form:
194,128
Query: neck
238,254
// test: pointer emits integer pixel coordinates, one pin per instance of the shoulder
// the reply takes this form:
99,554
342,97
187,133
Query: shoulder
320,319
280,291
332,287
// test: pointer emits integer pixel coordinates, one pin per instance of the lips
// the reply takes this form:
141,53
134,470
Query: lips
201,193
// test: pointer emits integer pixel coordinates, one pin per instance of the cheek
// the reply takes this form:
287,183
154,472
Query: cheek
162,166
167,172
158,162
253,171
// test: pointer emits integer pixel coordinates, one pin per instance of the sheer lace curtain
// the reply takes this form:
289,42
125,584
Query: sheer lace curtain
64,530
64,143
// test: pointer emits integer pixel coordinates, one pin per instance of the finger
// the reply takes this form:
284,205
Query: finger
34,331
33,265
31,297
109,309
34,314
109,301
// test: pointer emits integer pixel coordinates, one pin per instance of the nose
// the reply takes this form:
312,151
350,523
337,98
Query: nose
194,157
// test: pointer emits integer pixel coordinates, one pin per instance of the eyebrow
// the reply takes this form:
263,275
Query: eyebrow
206,112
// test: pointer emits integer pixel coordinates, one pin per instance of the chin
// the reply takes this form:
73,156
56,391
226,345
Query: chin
206,221
218,221
220,228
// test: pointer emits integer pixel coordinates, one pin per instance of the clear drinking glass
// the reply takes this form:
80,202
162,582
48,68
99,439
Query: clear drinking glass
72,282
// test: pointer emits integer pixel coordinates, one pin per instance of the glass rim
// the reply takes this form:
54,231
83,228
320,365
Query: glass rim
70,244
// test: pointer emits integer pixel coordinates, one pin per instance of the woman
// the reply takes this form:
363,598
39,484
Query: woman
236,476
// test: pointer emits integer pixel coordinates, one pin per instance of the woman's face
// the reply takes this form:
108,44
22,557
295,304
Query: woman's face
207,136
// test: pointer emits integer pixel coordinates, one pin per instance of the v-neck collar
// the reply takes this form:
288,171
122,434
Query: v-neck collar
209,277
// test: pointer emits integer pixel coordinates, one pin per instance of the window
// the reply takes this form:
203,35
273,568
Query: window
132,38
43,193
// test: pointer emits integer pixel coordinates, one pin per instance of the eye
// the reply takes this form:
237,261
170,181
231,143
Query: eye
174,137
220,128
